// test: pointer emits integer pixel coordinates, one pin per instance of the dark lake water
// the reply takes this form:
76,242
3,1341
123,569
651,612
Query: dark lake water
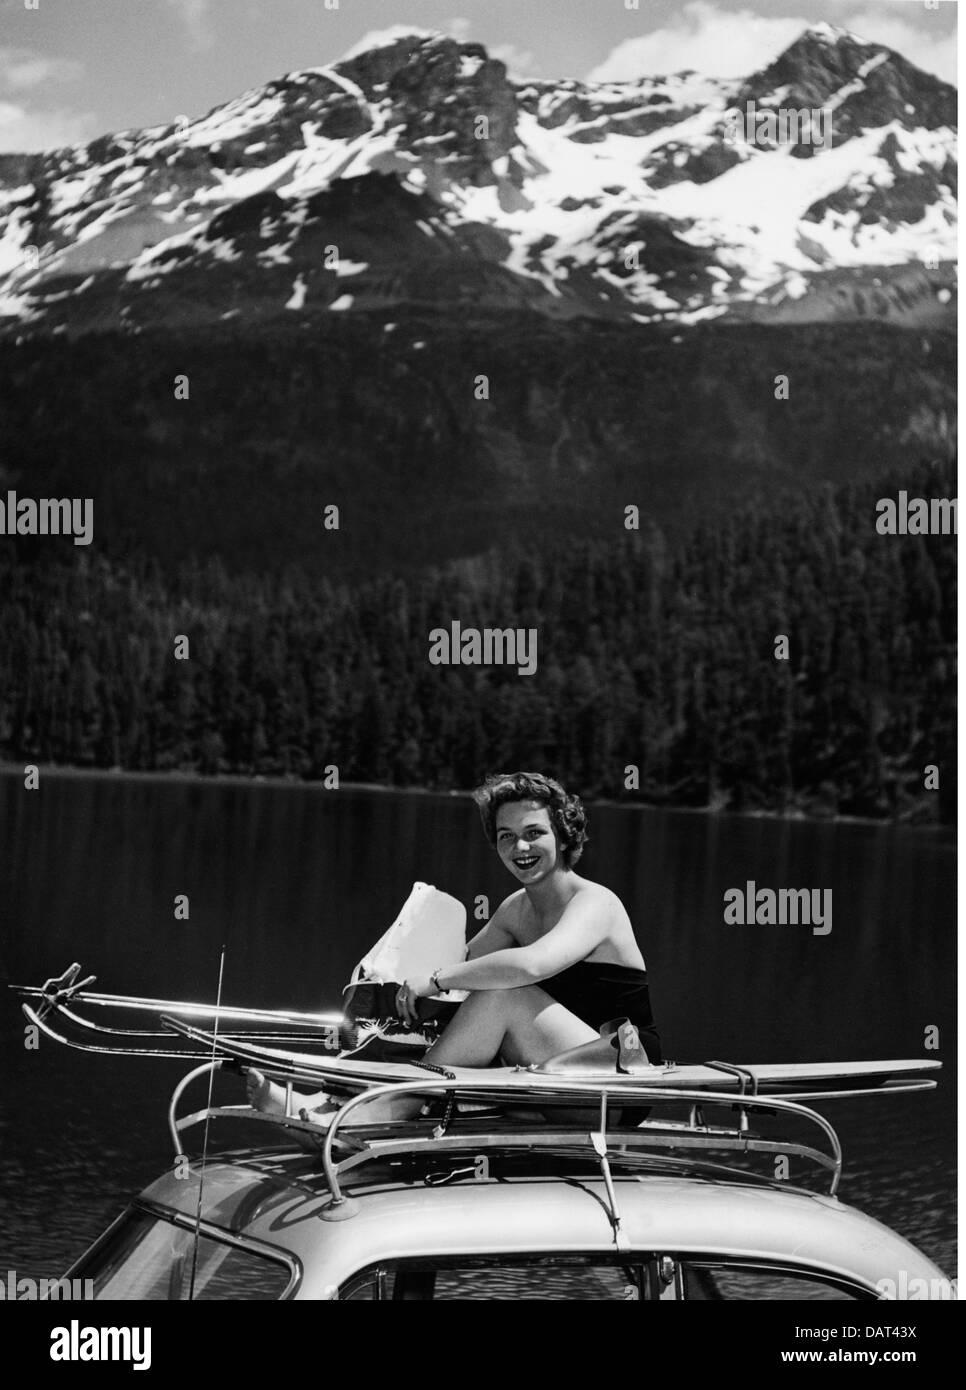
297,882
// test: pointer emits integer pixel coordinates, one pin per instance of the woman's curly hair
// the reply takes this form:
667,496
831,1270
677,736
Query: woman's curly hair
567,814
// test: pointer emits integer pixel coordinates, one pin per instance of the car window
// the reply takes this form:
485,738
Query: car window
764,1285
148,1258
539,1278
561,1277
550,1283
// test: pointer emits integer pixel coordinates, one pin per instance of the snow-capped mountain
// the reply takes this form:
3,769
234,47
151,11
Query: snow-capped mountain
414,173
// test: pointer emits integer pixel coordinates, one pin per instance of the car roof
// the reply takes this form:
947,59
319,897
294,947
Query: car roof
397,1209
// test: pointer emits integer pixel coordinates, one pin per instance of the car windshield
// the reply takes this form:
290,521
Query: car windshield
146,1257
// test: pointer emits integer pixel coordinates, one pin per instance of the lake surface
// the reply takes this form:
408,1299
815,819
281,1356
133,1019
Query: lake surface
297,882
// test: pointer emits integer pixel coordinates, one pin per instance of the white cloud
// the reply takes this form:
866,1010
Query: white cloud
25,132
22,68
713,42
932,52
195,15
459,29
519,62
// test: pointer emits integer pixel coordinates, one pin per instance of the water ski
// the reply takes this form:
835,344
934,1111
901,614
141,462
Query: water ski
518,1084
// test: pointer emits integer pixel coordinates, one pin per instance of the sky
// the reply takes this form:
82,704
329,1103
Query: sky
71,70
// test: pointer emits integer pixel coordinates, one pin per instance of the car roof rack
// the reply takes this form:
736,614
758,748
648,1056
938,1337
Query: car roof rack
609,1143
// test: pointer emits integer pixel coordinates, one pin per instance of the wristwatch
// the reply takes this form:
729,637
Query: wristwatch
434,981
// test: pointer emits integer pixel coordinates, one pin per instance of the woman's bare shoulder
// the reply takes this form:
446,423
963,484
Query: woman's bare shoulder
619,939
507,914
600,896
513,899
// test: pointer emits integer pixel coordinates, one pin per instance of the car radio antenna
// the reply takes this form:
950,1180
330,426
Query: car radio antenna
204,1150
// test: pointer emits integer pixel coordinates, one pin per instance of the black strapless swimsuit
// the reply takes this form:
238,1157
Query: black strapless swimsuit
598,992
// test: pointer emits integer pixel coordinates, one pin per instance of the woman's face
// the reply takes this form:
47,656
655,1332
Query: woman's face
526,842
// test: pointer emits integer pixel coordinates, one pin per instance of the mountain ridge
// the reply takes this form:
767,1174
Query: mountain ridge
629,201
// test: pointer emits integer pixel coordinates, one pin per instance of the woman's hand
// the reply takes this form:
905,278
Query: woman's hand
419,987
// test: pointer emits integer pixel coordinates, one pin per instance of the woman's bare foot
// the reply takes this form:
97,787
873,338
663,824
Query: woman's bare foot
265,1095
269,1097
322,1116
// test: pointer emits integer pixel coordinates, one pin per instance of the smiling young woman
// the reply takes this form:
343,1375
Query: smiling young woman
557,959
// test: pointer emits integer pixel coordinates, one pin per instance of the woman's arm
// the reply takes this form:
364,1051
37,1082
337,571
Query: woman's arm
496,935
580,930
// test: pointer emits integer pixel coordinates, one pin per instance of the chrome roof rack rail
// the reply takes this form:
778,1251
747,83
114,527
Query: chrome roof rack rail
595,1141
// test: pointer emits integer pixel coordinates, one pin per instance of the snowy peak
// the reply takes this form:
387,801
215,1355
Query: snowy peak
864,85
441,96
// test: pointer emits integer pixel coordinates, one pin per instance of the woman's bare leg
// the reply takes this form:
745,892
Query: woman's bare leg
521,1025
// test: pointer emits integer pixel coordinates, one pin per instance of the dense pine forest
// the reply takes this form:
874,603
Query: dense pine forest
653,654
581,419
